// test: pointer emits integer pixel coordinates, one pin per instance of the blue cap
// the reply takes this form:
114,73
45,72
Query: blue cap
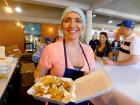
127,23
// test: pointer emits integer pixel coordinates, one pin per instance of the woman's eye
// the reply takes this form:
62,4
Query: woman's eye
66,21
78,21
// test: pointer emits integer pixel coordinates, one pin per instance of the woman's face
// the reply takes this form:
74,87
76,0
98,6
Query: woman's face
102,38
72,26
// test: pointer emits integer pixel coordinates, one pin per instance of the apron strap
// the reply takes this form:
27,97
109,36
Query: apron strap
65,54
85,55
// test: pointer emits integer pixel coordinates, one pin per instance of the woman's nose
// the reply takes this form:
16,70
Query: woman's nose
72,24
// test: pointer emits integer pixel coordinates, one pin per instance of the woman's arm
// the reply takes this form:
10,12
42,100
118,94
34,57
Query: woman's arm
110,55
40,72
96,57
44,64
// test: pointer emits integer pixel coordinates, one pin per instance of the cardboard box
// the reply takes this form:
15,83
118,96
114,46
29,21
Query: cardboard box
87,87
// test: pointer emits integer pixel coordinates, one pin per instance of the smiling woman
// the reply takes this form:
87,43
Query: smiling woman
72,26
67,58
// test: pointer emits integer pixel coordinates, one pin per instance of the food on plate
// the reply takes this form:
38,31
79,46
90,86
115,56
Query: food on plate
52,87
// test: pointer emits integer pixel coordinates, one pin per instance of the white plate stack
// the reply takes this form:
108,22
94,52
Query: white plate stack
2,52
4,67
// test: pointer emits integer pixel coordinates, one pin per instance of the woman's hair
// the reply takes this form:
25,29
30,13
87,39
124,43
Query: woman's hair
107,42
105,34
76,10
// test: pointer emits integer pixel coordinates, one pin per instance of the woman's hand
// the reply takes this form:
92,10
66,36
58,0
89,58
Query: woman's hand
37,80
108,62
98,58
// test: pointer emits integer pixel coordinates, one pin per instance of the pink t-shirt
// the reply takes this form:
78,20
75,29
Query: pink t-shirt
53,58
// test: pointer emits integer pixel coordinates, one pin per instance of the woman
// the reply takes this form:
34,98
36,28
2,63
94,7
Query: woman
103,49
67,58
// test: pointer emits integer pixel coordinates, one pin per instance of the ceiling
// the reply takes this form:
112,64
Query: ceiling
51,10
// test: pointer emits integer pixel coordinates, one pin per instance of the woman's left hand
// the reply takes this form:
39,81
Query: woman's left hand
108,62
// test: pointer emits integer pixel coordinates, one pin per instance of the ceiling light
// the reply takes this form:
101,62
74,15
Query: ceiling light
8,9
18,24
93,15
103,29
50,29
22,26
18,9
110,21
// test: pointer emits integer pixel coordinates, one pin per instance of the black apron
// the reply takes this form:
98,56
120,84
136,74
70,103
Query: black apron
73,74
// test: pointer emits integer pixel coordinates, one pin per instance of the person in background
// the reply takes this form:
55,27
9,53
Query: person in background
68,57
94,42
115,45
129,52
103,49
36,56
58,38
